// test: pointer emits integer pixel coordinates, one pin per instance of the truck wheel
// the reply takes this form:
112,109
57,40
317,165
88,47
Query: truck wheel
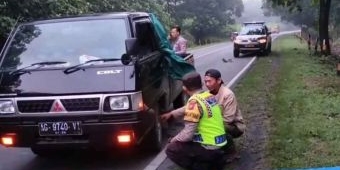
153,140
236,53
180,101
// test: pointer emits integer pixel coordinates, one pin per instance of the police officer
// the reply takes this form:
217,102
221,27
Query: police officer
233,119
199,144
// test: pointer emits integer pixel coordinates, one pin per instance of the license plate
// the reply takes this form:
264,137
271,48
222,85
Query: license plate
250,45
60,128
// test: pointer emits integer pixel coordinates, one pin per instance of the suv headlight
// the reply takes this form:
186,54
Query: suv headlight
262,41
119,103
6,107
237,40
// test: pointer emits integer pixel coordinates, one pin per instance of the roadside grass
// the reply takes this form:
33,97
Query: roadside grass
303,106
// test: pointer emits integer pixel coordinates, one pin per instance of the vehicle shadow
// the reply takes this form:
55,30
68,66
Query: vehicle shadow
257,54
91,159
249,54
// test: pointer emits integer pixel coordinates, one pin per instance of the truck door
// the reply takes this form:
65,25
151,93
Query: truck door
153,78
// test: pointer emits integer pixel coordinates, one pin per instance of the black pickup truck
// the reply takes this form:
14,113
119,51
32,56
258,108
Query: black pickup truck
89,81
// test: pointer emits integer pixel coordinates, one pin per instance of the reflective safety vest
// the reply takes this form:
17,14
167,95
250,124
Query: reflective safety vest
210,129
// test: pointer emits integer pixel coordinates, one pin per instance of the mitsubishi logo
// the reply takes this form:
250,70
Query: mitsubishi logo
57,107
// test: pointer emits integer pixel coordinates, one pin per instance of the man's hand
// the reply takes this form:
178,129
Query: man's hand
169,140
172,139
165,117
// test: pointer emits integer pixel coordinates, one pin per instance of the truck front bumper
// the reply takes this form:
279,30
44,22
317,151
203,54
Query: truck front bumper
97,130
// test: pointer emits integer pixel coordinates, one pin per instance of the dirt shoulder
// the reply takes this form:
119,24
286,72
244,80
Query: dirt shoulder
291,105
253,94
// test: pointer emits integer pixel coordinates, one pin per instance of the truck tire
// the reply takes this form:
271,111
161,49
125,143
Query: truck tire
153,140
180,101
236,53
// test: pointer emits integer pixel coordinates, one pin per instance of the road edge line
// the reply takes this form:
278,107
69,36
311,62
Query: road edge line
239,75
159,159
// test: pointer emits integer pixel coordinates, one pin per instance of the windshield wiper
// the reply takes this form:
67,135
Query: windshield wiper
78,66
40,64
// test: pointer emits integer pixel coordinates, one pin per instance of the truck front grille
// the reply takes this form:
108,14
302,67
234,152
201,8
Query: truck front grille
71,105
34,106
81,104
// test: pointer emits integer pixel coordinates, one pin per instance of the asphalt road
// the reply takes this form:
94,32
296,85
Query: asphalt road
217,56
222,59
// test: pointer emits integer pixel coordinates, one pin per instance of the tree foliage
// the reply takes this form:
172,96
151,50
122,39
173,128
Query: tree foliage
312,13
12,11
302,13
205,18
209,18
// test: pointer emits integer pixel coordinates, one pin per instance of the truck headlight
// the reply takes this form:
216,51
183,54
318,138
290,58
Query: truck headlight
119,103
6,107
137,102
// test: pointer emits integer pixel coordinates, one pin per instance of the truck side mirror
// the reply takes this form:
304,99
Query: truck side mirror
126,59
131,45
132,49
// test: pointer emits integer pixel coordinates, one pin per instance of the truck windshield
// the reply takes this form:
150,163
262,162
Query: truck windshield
74,42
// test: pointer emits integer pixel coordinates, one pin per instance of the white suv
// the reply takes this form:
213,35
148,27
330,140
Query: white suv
253,37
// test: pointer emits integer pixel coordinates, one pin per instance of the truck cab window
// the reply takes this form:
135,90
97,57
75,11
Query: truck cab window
146,37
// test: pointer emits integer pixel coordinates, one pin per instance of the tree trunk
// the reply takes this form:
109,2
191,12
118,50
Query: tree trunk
328,8
323,26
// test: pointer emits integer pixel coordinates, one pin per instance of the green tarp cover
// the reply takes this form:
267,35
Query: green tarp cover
177,66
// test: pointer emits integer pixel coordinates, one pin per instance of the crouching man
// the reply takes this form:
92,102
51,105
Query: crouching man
198,146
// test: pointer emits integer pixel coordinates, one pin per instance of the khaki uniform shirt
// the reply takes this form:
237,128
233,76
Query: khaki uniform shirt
231,113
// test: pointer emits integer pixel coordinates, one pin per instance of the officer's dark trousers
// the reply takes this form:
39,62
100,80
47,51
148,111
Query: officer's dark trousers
192,156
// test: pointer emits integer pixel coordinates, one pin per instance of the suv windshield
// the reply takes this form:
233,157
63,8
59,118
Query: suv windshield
253,30
73,42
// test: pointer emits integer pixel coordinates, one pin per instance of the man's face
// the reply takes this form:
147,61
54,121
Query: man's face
212,83
174,33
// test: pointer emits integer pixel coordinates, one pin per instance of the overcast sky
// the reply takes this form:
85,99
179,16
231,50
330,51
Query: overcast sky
253,12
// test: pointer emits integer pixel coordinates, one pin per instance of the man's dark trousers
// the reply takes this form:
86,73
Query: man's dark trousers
192,156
